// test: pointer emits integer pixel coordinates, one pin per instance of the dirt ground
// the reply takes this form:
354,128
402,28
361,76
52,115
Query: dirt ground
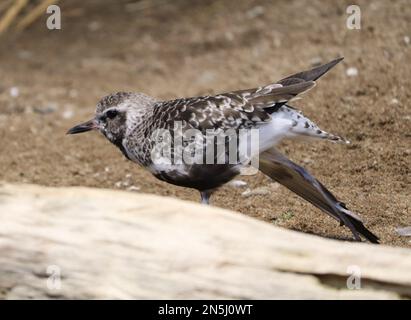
51,80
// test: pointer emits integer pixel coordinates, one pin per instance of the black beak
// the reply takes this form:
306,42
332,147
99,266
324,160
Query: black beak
84,127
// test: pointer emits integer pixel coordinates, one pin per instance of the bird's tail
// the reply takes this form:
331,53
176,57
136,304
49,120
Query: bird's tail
302,127
297,179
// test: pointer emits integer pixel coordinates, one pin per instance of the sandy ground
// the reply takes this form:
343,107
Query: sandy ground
188,48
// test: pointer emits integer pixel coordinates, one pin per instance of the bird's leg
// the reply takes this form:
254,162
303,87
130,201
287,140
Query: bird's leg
205,196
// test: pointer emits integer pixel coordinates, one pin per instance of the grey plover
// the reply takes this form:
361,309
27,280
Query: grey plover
137,124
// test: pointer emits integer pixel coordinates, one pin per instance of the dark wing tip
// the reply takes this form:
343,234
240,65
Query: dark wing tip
367,234
297,179
314,73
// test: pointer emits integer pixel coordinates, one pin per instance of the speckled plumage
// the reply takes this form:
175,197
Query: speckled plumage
133,122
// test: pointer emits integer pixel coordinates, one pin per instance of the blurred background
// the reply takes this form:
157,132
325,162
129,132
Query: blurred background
52,79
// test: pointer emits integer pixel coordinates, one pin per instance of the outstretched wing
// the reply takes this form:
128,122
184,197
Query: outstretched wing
239,109
273,96
297,179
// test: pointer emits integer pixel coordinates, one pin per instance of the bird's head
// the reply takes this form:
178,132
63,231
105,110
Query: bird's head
115,114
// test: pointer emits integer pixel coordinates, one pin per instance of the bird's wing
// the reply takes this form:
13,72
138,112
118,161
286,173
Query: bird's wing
279,168
231,110
240,109
273,96
220,112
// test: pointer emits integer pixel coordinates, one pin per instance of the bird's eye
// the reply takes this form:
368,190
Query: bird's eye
111,114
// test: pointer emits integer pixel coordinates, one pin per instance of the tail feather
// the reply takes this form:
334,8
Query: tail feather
302,127
297,179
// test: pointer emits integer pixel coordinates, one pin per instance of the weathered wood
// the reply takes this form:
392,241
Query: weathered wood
113,244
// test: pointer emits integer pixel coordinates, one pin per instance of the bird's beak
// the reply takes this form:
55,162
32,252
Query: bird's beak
84,127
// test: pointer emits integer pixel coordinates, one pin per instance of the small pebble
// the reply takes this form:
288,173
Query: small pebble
352,72
14,92
237,183
307,160
406,40
405,232
68,114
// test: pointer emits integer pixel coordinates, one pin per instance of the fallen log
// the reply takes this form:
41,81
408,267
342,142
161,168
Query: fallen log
93,243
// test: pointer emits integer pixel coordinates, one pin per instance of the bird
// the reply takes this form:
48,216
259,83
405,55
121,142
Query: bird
163,136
